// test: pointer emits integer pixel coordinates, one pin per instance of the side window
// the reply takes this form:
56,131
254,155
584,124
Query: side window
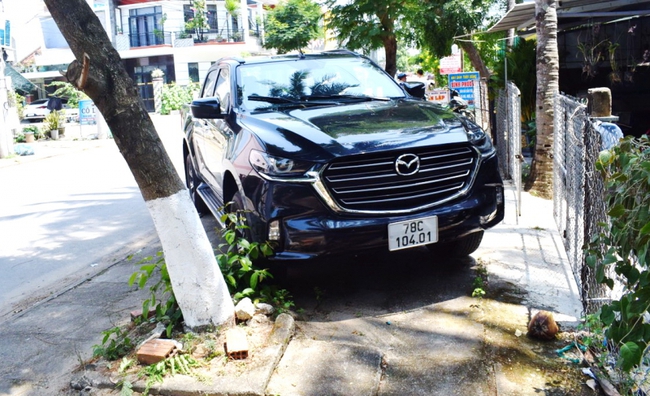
223,89
208,86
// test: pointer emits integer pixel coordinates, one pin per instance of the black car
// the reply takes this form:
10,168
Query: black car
329,156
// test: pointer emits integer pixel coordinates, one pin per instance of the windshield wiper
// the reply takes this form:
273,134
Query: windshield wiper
360,98
270,99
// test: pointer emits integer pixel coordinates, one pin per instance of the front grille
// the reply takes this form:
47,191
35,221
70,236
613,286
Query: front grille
371,182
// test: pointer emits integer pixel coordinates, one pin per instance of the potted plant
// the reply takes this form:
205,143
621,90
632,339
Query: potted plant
54,124
30,133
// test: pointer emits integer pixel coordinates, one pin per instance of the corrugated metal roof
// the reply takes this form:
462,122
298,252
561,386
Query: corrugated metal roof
522,16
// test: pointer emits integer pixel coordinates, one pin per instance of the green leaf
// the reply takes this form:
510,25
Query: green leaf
254,279
630,355
645,229
607,315
616,211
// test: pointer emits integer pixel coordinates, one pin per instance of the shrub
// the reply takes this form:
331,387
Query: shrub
174,96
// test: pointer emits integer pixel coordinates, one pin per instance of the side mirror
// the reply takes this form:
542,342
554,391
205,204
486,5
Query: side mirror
206,108
415,89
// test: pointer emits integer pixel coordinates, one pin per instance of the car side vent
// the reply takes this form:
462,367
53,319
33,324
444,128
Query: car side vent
402,180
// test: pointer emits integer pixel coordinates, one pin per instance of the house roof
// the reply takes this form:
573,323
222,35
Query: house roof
573,12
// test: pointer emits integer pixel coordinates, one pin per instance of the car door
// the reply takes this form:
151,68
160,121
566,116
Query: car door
201,130
219,133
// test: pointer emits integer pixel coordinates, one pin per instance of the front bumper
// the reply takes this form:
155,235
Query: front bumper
310,229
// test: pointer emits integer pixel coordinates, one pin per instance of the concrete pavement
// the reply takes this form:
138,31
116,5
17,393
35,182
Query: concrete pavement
457,346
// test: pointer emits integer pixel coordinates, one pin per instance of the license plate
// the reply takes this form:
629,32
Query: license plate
411,233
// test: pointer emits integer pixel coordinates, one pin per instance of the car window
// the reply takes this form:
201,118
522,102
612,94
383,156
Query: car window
208,86
328,77
222,90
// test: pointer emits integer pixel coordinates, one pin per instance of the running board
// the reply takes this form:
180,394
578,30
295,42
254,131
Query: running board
212,202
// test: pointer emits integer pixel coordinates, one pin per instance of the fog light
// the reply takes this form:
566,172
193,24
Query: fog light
499,196
274,230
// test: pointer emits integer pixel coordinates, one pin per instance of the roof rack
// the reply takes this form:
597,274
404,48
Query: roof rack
341,51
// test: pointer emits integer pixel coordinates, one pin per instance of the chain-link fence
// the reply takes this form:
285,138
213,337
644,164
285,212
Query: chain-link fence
508,136
578,192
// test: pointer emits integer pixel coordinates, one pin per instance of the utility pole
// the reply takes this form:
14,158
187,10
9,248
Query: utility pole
6,138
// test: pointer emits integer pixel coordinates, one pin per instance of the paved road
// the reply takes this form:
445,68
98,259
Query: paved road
68,212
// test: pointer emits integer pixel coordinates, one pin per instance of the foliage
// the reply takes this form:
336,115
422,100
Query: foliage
180,363
236,256
521,65
68,91
174,96
157,73
479,285
54,120
291,25
166,307
115,344
232,8
621,248
436,23
200,20
18,101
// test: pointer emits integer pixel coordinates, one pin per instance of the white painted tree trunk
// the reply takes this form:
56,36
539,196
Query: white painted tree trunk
193,269
98,70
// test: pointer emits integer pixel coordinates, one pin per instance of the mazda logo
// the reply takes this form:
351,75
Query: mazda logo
407,164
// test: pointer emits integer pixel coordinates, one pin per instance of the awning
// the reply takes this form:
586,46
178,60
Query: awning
18,82
522,16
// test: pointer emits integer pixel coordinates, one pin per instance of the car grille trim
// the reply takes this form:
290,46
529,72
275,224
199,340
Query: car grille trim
393,174
370,183
433,193
377,187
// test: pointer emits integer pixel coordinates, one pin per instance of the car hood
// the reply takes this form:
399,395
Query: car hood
319,134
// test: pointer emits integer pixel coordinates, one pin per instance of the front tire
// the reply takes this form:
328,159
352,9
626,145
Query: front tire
459,248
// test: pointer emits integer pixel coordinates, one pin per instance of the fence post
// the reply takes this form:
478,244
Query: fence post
600,102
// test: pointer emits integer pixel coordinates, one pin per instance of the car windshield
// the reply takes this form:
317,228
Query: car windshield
266,85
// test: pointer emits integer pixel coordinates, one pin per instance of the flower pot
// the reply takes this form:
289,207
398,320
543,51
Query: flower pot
29,137
54,134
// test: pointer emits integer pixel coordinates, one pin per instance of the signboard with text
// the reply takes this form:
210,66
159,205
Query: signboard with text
438,95
464,84
87,112
451,64
5,34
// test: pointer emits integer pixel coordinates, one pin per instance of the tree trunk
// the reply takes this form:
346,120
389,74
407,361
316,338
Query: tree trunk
390,47
475,58
389,40
541,175
196,279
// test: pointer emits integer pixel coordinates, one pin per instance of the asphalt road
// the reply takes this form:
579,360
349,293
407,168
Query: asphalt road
68,216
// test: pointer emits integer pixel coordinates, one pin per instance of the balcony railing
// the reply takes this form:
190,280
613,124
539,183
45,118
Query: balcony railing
216,35
124,42
146,39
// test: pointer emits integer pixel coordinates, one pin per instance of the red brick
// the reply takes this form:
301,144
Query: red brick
154,351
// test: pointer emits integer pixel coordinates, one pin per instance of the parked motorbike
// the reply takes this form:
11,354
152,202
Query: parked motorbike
459,105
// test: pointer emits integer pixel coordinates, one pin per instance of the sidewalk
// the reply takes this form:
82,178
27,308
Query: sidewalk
459,346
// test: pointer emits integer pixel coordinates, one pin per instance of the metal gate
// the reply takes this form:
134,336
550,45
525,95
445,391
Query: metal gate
508,137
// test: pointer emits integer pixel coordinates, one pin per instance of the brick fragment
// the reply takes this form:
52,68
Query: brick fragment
236,343
154,351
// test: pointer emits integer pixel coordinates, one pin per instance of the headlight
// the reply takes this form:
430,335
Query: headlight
482,141
272,167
